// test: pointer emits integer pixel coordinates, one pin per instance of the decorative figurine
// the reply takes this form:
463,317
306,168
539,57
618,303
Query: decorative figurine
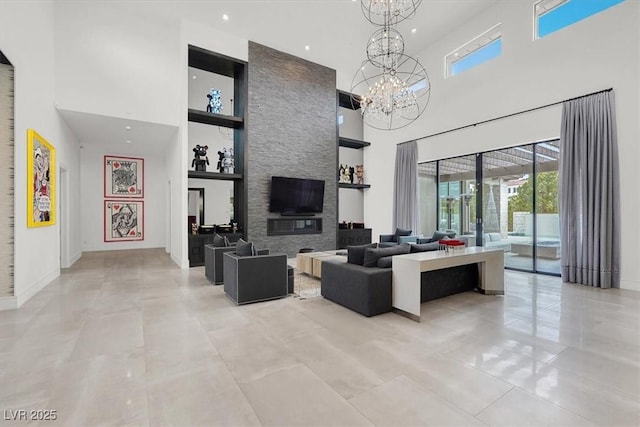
345,174
194,228
215,103
227,161
221,155
360,174
351,172
198,161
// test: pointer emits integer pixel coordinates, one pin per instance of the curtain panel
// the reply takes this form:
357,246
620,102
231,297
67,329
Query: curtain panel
405,190
589,187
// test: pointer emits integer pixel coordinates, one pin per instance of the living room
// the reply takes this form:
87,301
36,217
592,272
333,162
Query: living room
94,68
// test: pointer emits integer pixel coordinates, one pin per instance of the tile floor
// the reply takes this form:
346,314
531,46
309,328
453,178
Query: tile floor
126,338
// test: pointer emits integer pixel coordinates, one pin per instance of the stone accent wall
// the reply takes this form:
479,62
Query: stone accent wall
291,123
6,181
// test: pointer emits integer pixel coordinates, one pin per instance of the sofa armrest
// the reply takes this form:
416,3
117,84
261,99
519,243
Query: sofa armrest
366,290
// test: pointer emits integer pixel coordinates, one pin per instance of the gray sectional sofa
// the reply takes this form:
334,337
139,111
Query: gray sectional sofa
367,290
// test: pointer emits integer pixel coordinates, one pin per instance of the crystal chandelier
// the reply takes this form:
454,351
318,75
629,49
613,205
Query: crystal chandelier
391,88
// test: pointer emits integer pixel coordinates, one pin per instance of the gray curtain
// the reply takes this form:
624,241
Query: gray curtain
405,190
588,181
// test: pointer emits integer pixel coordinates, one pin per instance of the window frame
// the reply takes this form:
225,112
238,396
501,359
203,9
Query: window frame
472,46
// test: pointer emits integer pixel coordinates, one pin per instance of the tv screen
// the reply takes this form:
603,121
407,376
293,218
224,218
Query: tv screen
295,196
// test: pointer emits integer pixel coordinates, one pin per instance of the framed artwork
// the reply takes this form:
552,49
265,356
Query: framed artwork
123,220
123,177
41,182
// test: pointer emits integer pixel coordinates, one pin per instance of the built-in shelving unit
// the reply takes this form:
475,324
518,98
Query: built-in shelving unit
352,143
207,118
222,65
355,186
215,175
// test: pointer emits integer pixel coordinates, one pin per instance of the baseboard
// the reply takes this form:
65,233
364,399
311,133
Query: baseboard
630,285
178,262
36,287
8,303
74,258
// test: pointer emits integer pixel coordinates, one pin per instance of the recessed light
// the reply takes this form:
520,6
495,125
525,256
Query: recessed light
307,47
128,141
413,30
194,77
127,127
225,17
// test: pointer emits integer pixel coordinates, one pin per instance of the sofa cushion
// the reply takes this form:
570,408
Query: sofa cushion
421,240
494,237
371,255
220,241
355,254
425,247
401,232
245,248
439,235
385,262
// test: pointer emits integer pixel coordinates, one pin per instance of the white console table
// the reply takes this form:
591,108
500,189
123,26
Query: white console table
407,268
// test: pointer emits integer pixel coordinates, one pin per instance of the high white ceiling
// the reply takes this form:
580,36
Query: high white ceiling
335,30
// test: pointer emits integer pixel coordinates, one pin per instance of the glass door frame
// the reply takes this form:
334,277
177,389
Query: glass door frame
479,165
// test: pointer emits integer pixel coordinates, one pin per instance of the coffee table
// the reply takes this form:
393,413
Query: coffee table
311,262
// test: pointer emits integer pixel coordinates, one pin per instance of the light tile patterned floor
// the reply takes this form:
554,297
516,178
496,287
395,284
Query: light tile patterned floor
127,338
305,286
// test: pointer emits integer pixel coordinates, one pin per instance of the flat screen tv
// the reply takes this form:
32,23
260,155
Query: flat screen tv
296,196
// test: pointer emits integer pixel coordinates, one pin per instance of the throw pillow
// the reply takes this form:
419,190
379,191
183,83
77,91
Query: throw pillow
425,247
219,241
355,254
371,256
244,248
385,262
401,232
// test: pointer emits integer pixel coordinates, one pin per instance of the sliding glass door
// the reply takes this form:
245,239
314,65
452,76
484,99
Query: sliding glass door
506,199
456,191
547,209
507,180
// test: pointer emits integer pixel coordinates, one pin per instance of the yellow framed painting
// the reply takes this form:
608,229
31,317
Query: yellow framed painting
41,181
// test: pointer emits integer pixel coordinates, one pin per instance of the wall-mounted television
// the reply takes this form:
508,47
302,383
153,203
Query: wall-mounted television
296,196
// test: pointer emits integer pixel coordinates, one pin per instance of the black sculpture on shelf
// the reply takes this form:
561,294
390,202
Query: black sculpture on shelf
200,159
221,156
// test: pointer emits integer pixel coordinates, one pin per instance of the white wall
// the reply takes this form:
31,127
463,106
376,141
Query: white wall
92,193
114,61
597,53
32,54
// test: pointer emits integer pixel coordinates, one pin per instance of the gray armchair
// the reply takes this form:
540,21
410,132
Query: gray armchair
213,265
255,278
